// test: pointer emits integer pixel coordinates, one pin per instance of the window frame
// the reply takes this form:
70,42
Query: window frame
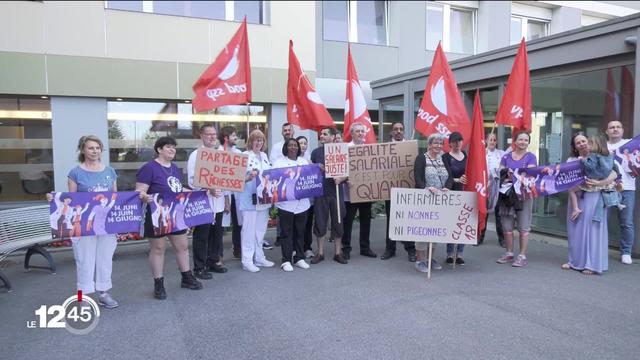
524,28
352,23
446,26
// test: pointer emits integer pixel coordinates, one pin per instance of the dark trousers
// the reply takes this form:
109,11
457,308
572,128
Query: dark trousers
364,211
498,227
207,243
409,246
308,239
292,235
236,229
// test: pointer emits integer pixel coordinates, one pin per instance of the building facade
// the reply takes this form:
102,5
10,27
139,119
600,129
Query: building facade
123,70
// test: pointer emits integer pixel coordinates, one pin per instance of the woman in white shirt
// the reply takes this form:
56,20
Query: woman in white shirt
292,213
494,155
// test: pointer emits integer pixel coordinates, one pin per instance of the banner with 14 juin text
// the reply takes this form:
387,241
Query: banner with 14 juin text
290,183
75,214
171,212
529,183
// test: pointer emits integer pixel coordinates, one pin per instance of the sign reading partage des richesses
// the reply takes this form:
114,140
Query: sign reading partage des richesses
441,217
336,160
376,168
220,170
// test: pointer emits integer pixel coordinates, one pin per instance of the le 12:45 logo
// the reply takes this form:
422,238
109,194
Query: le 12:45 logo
76,314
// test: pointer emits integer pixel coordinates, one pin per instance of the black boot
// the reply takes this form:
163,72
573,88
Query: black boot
158,290
190,281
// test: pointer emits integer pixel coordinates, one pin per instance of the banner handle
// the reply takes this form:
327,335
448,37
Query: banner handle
455,255
338,202
429,264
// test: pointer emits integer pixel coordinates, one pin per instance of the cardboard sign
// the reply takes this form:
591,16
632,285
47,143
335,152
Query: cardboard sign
376,168
441,217
220,169
336,160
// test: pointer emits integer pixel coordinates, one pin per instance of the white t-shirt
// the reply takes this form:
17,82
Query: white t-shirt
292,206
628,181
276,152
493,162
217,203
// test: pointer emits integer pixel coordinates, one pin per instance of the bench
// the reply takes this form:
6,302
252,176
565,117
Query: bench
25,228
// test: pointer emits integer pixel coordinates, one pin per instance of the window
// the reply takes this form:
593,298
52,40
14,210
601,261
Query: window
26,154
216,10
454,27
528,28
355,21
134,127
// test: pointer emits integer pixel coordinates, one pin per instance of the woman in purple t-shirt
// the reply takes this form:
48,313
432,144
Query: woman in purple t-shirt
511,161
161,175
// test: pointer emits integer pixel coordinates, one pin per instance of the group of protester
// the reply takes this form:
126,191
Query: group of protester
333,212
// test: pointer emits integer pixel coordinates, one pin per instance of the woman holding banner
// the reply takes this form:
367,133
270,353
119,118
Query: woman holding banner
431,174
308,238
510,213
93,254
161,175
588,240
292,214
455,161
254,215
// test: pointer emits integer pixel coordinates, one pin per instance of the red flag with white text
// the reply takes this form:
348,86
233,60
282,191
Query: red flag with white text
515,108
228,80
304,105
476,170
442,109
355,107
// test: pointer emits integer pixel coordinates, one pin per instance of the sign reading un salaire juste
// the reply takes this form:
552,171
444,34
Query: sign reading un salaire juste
440,217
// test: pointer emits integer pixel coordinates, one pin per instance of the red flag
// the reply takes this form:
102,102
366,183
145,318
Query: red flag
355,107
228,80
304,105
515,108
627,87
611,100
441,109
476,170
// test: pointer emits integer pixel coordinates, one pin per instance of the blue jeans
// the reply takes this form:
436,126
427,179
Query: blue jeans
450,250
626,222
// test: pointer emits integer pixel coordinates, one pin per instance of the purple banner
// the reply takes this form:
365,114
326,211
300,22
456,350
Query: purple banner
627,157
290,183
172,212
75,214
530,183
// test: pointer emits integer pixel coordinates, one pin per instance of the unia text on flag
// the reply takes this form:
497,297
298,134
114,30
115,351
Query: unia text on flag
355,107
515,108
441,109
228,80
304,105
476,170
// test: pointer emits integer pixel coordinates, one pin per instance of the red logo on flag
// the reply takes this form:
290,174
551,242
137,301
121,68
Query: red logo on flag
228,80
304,105
355,107
515,108
441,109
476,171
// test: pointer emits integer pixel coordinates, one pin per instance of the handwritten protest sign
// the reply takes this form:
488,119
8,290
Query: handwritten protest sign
290,183
172,212
336,160
441,217
376,168
530,183
75,214
220,169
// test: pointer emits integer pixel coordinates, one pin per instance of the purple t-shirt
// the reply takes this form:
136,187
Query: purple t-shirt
529,159
159,178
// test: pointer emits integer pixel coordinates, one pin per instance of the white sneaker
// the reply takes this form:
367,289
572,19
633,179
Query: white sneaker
264,263
308,254
626,259
250,268
287,267
302,264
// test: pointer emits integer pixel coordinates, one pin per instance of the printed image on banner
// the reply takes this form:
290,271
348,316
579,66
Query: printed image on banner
529,183
336,160
441,217
172,212
75,214
376,168
220,170
627,157
290,183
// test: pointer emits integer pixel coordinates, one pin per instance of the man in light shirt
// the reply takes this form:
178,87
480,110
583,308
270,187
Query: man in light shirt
615,132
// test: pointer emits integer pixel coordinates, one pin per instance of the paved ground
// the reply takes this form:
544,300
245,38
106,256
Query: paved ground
369,309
